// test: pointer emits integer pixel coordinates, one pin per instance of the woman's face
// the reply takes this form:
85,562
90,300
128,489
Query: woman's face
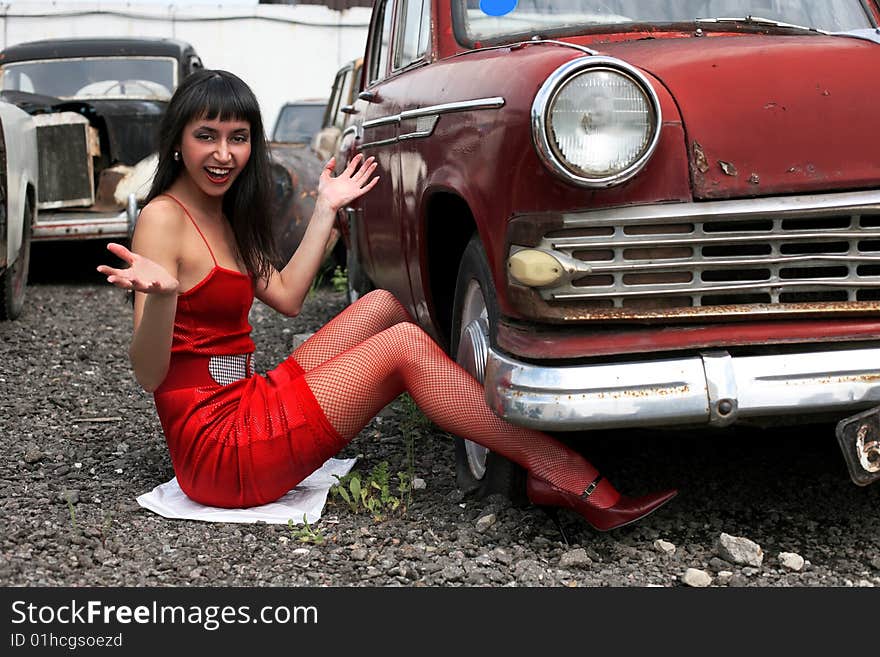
215,152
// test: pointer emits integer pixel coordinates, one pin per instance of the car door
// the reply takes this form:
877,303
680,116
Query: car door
375,219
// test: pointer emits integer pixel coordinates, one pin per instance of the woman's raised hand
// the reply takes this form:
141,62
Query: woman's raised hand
142,274
354,181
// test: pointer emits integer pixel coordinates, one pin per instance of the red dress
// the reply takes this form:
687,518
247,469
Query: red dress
236,438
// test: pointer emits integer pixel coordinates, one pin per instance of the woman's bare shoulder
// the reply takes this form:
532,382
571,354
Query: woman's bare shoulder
161,213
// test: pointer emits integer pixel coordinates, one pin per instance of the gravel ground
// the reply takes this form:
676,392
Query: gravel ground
68,486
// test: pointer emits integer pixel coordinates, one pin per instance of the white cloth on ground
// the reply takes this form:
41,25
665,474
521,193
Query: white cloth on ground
306,500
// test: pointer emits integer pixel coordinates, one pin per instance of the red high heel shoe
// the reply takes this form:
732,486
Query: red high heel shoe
623,512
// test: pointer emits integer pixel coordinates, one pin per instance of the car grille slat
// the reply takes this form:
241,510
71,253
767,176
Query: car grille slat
786,251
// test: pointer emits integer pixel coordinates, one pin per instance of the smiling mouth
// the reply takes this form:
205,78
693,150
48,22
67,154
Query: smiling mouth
217,174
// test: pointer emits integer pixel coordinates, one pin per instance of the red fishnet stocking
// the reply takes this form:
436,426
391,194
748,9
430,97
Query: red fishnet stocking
355,384
372,313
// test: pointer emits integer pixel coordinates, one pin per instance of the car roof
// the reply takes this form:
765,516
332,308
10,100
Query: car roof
94,47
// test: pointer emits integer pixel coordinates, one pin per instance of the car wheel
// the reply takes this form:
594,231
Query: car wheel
13,281
357,282
479,470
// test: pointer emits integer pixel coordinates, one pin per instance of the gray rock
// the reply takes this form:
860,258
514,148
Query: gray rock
502,556
418,483
717,564
33,454
739,550
664,547
529,572
723,577
696,578
486,521
791,561
576,558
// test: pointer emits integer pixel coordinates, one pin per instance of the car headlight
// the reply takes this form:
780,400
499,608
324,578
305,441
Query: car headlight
596,121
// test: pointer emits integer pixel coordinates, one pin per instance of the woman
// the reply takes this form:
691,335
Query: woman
202,250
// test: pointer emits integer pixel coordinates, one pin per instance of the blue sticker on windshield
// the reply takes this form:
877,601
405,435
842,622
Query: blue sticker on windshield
497,7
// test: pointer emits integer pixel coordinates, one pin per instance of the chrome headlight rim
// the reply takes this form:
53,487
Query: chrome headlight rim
548,92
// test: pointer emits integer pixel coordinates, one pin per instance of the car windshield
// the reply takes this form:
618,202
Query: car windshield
152,78
525,18
298,123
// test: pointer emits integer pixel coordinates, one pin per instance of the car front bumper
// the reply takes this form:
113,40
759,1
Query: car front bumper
82,225
712,388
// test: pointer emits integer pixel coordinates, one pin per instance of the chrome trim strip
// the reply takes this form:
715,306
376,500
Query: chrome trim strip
424,127
675,265
708,239
780,206
384,120
680,289
678,391
871,34
548,91
380,142
494,102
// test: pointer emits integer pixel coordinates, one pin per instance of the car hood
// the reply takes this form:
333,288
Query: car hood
770,114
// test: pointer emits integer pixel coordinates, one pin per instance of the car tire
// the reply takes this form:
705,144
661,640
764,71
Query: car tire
479,471
13,280
357,282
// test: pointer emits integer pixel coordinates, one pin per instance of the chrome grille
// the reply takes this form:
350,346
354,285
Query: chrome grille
788,250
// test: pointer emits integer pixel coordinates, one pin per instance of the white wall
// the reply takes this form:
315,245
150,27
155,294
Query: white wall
284,52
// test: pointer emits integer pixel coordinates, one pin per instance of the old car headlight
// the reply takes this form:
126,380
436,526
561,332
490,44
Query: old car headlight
596,121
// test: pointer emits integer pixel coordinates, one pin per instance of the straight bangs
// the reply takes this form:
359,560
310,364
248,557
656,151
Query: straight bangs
220,98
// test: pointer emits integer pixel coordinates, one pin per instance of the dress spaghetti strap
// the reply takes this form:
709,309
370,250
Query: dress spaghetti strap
210,250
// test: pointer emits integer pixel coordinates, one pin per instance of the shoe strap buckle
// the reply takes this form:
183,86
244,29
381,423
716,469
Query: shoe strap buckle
589,489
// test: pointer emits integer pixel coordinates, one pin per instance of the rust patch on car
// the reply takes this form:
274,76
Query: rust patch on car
641,393
700,160
728,168
531,305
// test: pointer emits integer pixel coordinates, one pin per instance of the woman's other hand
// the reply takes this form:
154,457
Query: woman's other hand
142,274
354,181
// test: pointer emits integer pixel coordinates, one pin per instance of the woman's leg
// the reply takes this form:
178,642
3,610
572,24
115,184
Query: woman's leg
372,313
352,387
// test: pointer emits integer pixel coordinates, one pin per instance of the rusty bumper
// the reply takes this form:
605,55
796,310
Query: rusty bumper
712,388
86,224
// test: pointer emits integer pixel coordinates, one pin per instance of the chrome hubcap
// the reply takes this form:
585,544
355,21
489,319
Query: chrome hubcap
473,346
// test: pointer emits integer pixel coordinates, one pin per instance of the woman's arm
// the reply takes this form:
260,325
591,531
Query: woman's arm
286,290
152,274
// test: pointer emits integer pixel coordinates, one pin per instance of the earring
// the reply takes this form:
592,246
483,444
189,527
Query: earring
177,156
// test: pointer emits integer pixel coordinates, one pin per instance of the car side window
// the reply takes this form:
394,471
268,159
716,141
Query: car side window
344,97
332,111
413,38
382,45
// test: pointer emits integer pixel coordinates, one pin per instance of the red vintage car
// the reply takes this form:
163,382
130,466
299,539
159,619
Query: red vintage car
620,213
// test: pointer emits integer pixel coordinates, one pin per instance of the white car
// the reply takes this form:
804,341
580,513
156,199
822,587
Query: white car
18,208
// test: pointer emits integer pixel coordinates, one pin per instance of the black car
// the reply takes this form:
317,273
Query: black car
97,104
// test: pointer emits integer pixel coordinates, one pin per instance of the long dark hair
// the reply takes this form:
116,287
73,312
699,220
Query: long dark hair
212,94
